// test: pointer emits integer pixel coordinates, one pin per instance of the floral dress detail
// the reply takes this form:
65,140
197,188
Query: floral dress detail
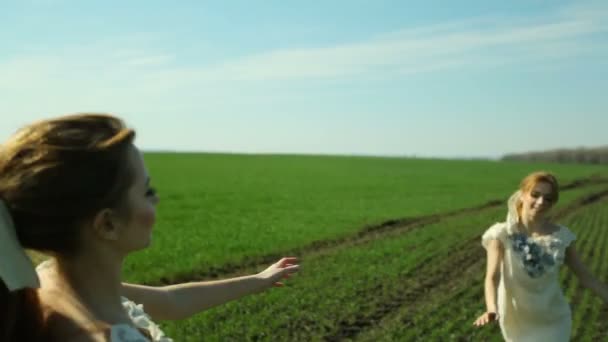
126,333
531,304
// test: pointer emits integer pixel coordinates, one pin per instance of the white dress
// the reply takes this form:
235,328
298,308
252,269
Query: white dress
126,332
531,304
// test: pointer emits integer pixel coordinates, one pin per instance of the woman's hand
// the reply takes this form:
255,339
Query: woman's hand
282,269
486,318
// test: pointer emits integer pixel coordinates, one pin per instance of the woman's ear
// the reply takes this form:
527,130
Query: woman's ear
105,225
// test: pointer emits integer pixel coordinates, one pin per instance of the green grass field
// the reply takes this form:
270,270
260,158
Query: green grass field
400,282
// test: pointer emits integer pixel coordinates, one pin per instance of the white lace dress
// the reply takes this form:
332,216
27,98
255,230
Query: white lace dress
531,304
126,332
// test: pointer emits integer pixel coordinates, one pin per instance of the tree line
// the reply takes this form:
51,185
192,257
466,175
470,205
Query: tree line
582,155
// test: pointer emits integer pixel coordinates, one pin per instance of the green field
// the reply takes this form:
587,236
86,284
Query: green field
223,215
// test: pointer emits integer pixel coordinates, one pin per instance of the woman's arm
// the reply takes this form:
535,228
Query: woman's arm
583,274
184,300
494,255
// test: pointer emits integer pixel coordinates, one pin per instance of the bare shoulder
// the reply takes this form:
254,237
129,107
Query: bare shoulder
495,245
65,322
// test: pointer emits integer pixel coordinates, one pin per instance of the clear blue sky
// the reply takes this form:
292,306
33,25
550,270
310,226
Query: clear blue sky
425,78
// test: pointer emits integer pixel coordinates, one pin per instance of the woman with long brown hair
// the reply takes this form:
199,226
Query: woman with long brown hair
76,188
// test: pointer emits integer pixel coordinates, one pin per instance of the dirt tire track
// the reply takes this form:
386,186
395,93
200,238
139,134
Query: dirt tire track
586,200
368,233
463,295
577,183
412,292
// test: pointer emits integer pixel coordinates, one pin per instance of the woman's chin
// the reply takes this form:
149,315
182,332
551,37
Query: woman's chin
148,241
538,214
144,243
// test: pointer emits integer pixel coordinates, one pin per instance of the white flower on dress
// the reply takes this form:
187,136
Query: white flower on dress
142,320
535,261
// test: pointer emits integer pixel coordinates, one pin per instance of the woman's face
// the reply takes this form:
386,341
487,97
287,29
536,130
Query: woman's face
135,230
538,201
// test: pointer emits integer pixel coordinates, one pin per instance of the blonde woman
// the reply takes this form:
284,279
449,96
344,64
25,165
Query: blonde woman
524,254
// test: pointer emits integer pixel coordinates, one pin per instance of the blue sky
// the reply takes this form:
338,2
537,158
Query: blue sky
424,78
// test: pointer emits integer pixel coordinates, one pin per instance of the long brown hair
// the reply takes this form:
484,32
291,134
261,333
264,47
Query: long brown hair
54,176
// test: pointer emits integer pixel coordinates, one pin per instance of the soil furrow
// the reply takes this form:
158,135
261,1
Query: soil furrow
368,233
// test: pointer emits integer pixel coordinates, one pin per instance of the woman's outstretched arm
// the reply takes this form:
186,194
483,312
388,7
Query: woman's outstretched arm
181,301
583,274
494,254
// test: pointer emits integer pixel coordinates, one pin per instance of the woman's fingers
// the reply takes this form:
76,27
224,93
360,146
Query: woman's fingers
482,320
486,318
282,269
289,271
292,268
287,260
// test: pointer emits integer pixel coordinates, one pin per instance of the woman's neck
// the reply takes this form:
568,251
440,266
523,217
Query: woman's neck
95,283
534,225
